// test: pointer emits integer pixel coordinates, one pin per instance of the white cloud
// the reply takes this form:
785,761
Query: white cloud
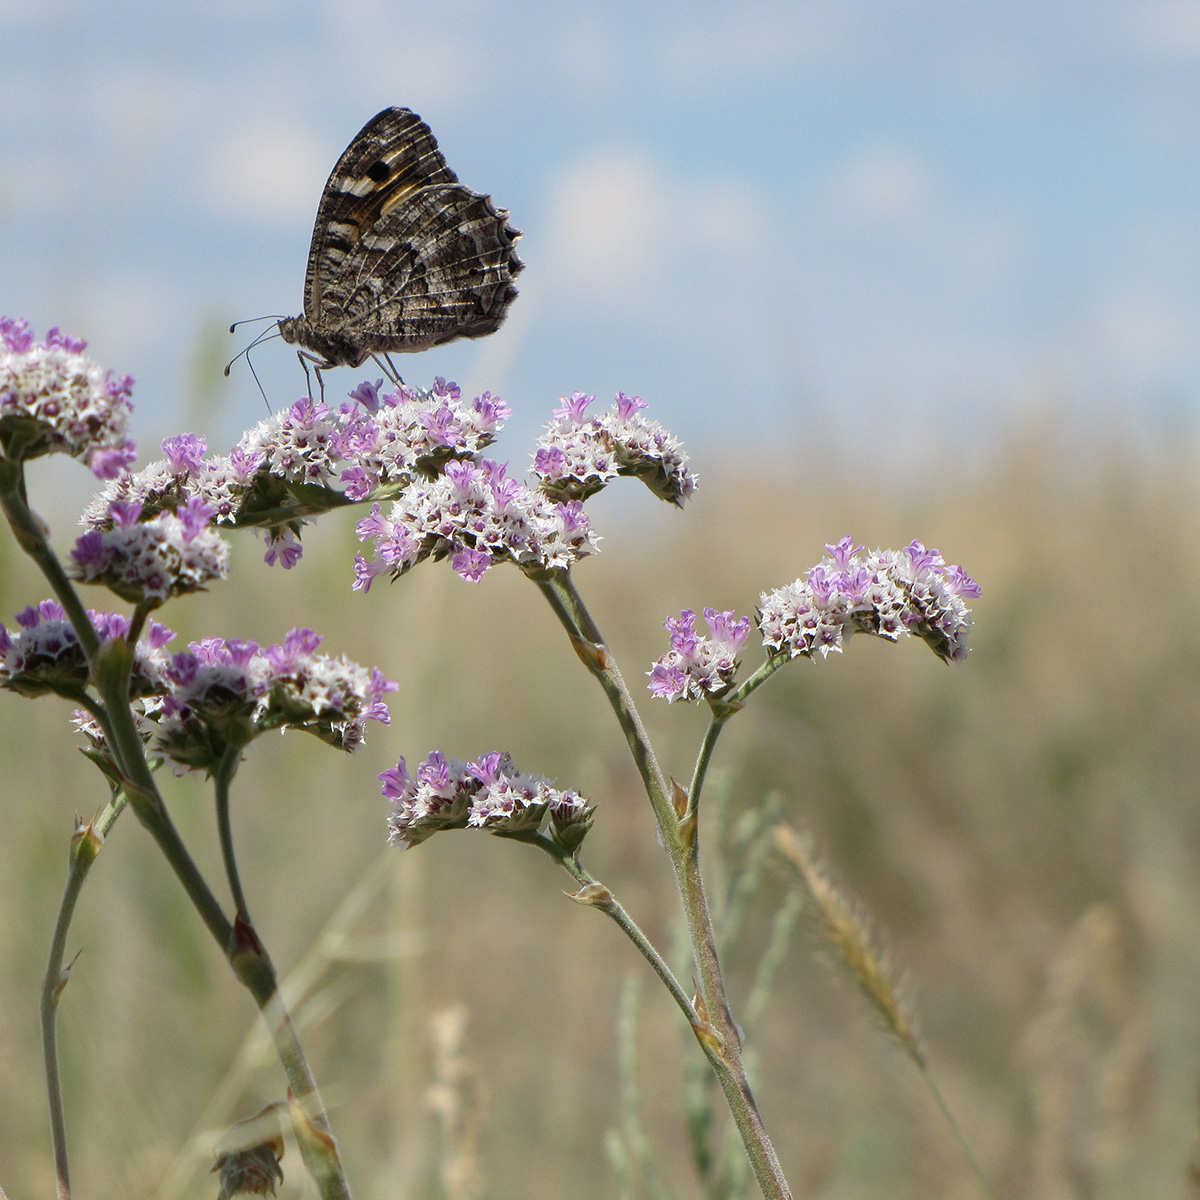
622,229
887,214
881,185
1139,338
608,222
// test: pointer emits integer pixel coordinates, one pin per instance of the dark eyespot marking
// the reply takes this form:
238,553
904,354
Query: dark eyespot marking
379,171
337,242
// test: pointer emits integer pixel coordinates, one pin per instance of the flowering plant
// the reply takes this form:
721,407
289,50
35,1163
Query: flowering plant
416,458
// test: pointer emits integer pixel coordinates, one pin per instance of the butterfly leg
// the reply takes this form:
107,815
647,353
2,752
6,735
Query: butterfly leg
306,358
388,367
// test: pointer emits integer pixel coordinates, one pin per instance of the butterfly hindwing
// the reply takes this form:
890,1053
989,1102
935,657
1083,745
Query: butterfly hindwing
403,257
443,260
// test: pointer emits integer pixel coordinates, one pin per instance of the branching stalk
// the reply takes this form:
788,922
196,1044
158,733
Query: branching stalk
111,664
679,832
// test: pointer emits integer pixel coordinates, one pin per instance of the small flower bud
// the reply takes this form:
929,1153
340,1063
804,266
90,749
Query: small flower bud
228,692
171,554
43,655
249,1155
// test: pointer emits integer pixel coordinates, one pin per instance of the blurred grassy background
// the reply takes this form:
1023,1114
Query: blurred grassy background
1022,830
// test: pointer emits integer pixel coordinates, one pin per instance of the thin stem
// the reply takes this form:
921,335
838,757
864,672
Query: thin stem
238,941
224,776
961,1137
111,664
678,830
760,676
254,968
596,894
589,644
85,845
704,757
30,532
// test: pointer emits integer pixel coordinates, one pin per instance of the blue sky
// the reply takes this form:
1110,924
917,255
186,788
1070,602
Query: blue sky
880,223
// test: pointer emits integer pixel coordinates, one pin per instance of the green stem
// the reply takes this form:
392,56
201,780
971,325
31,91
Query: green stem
224,776
596,894
85,845
111,665
589,644
678,831
310,1122
254,968
703,758
30,532
738,696
961,1137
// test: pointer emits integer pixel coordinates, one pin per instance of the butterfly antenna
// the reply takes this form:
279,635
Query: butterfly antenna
256,380
265,336
253,320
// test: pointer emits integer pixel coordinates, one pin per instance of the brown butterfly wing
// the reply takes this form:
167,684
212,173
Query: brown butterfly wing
403,257
438,267
392,155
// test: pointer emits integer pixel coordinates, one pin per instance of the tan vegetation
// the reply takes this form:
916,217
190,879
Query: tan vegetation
1023,833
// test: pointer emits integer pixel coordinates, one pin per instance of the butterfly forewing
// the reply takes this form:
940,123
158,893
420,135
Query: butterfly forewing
403,257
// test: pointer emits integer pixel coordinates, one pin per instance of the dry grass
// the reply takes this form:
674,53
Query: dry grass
1023,832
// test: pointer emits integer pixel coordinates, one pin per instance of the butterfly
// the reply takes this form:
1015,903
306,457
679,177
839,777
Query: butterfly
403,256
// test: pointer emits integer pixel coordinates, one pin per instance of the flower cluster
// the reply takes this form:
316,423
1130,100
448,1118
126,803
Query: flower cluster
149,561
225,693
374,440
409,433
285,468
477,516
698,666
884,592
488,794
423,448
53,400
578,455
221,482
44,655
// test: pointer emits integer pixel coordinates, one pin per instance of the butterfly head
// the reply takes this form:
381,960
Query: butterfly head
333,349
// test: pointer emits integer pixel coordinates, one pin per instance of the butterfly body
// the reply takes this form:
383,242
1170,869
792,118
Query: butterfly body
403,256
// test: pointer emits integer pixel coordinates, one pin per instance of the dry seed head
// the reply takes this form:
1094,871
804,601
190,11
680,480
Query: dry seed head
846,928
